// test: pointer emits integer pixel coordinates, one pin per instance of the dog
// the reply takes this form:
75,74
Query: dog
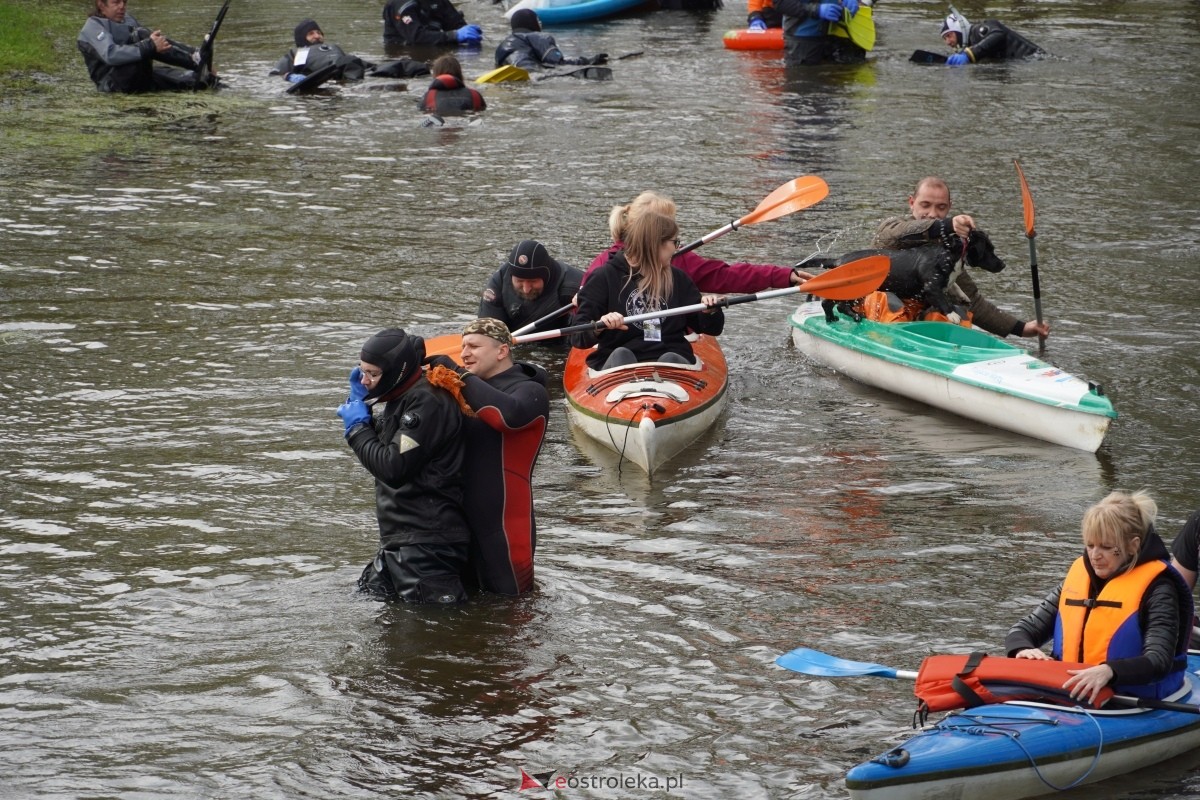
926,273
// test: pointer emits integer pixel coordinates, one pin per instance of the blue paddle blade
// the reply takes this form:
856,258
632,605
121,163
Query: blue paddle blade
814,662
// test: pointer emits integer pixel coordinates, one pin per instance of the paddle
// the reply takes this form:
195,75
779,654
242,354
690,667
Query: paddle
555,313
1031,234
505,73
926,57
814,662
591,73
847,282
789,198
206,47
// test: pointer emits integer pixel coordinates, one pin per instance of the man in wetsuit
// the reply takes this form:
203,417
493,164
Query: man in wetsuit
504,438
528,286
428,23
312,54
990,40
529,48
120,55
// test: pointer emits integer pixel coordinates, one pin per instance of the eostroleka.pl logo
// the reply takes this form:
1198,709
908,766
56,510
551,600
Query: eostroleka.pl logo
552,781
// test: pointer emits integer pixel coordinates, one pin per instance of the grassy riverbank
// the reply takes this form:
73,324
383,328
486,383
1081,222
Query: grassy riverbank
38,36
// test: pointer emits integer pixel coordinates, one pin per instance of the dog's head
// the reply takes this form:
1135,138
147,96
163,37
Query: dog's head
981,253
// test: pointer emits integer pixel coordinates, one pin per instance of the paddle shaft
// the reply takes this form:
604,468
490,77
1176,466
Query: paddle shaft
1031,232
555,313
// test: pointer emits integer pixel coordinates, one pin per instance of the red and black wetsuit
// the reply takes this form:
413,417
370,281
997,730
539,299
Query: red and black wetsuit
502,445
448,97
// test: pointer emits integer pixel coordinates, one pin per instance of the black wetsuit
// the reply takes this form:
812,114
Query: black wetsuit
501,301
421,22
307,60
991,40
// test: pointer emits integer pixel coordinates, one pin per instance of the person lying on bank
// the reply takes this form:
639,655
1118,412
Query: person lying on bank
120,55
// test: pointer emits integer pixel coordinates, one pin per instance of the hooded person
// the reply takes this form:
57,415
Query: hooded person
414,450
528,286
990,40
503,437
529,48
312,54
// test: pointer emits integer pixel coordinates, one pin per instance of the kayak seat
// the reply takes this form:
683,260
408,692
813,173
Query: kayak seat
955,334
647,388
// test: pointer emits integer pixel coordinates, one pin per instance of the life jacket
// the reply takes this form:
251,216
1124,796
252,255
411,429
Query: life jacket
888,307
1109,627
449,97
948,682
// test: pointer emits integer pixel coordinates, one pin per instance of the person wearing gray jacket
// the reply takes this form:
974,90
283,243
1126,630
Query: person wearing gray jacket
120,55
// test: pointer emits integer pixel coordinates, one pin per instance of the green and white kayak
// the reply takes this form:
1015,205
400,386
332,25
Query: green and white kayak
961,370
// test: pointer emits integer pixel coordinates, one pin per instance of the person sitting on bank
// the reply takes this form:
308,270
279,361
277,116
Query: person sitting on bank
807,38
530,285
448,95
930,222
639,280
529,48
120,55
1122,609
427,23
988,41
709,274
762,15
313,54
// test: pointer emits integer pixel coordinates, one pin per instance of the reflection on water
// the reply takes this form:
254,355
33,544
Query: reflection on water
182,295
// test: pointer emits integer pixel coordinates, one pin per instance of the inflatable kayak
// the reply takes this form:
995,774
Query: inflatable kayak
565,12
961,370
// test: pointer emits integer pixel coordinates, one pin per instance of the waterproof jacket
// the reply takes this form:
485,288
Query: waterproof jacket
501,301
415,452
532,50
714,276
991,40
899,233
421,22
448,97
613,287
1164,616
307,60
503,441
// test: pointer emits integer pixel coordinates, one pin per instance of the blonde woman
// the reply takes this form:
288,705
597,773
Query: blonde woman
637,280
1123,609
709,274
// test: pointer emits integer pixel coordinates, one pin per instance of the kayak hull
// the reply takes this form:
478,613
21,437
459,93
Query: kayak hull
961,370
554,12
1015,750
647,412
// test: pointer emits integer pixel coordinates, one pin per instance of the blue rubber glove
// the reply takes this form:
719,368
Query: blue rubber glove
957,60
830,12
758,25
357,390
469,34
295,77
354,412
851,6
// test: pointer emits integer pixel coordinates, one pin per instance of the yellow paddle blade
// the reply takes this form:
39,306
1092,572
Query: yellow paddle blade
859,28
792,196
1026,201
506,73
850,281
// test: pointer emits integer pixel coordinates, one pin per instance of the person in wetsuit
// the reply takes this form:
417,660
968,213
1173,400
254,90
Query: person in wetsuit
427,23
448,94
529,48
990,40
529,285
312,54
120,55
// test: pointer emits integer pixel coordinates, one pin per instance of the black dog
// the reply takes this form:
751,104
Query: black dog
925,273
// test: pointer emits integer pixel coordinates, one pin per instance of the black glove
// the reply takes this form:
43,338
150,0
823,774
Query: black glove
600,58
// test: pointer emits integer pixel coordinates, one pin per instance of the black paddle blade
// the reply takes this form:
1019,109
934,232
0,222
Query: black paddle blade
926,57
587,73
313,81
206,47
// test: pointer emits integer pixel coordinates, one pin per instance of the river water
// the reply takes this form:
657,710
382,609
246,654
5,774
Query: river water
184,284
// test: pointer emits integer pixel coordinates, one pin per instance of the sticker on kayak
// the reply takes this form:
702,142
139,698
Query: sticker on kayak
1027,376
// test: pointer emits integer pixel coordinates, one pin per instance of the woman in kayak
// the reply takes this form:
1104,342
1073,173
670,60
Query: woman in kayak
1122,607
637,280
709,274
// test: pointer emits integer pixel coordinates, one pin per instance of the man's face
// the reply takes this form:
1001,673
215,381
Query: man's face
930,202
314,37
950,38
483,355
113,10
528,288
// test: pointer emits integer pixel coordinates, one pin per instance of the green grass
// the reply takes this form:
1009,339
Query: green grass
38,35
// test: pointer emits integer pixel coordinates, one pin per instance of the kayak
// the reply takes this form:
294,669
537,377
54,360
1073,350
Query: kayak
962,370
1019,749
565,12
746,39
647,412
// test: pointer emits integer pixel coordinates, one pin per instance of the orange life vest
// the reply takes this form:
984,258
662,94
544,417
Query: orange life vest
1095,631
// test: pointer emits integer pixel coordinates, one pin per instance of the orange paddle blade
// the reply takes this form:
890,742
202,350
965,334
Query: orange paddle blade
850,281
1026,201
449,344
792,196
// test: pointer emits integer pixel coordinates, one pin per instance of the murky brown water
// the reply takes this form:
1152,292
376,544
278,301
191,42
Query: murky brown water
181,524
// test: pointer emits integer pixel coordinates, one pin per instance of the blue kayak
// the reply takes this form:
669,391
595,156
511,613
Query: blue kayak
565,12
1017,749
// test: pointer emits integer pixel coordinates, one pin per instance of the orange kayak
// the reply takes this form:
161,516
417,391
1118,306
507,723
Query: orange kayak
649,411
